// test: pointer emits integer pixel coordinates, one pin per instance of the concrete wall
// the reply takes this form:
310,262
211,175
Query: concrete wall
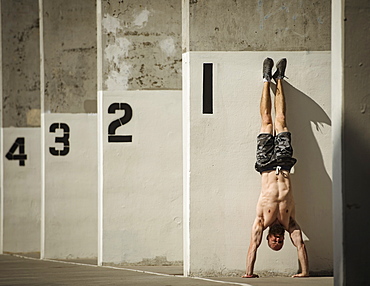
95,54
70,187
239,25
69,127
221,185
214,143
142,44
22,192
21,69
140,176
20,118
70,56
142,180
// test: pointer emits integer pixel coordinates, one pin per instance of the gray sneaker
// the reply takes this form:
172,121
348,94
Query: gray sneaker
267,69
280,69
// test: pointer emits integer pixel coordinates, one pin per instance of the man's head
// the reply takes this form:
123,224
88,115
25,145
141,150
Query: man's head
275,238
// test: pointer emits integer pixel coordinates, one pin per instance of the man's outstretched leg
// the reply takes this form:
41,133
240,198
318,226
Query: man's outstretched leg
263,139
280,108
283,136
265,105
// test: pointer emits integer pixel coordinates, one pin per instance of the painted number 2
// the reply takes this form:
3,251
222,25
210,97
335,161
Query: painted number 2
64,139
112,137
21,156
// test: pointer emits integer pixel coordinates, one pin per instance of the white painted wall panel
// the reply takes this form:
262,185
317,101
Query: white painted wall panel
222,187
142,179
71,207
22,192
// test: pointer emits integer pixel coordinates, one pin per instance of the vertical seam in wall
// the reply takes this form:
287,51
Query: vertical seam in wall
99,45
100,128
1,142
185,26
42,107
186,161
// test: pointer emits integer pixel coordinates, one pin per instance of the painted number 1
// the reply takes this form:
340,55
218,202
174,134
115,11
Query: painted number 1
207,88
112,137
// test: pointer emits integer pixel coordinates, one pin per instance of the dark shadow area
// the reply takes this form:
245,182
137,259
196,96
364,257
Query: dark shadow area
312,185
355,188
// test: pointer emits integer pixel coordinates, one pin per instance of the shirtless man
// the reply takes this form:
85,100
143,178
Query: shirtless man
275,207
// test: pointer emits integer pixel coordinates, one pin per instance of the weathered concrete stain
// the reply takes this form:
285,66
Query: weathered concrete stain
91,106
21,66
116,51
33,117
142,44
141,19
168,46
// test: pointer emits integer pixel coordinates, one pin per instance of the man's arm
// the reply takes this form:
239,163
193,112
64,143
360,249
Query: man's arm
296,237
256,237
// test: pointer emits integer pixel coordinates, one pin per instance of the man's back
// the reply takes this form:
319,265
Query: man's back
276,203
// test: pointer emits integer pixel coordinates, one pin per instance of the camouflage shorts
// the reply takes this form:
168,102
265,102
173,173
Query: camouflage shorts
273,151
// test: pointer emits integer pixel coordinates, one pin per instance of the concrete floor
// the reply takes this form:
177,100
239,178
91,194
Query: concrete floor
17,270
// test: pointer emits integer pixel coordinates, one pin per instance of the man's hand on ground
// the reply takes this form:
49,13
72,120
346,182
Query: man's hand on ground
300,275
250,276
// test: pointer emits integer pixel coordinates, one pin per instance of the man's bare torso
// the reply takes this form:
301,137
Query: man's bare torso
276,203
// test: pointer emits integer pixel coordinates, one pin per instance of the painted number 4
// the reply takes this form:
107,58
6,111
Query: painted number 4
21,156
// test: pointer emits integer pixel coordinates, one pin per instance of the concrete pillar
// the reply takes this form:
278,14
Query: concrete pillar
140,164
351,137
20,129
69,124
224,45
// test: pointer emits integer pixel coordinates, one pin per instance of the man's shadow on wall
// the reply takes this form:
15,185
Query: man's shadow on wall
312,185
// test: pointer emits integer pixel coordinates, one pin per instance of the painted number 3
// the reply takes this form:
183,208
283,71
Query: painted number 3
64,139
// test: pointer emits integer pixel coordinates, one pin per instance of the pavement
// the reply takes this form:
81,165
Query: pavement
29,270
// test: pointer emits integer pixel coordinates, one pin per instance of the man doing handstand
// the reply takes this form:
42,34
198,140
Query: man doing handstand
275,207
